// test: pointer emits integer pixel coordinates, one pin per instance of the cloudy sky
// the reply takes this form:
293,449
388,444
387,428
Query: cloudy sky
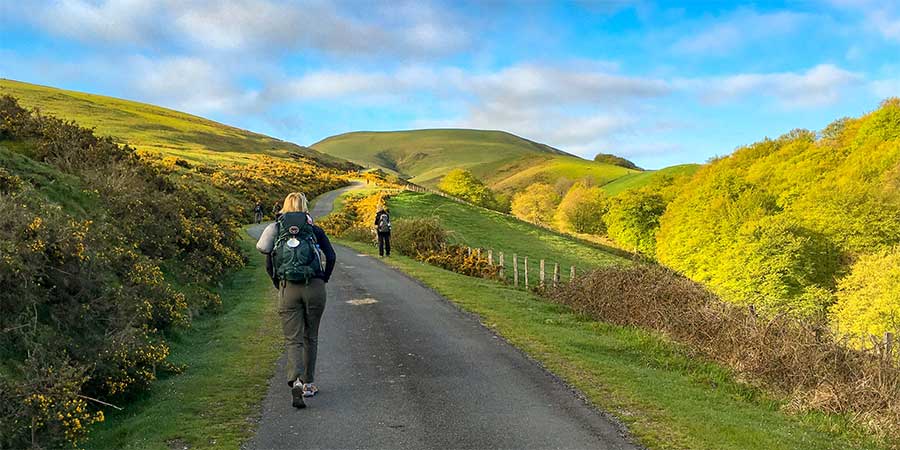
653,82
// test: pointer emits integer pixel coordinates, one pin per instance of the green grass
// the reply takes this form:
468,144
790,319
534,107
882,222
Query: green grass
497,157
667,399
641,179
153,128
477,227
229,357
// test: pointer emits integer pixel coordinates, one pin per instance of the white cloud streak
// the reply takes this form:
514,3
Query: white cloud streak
738,29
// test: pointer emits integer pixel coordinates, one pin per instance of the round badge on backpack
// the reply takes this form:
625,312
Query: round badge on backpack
293,242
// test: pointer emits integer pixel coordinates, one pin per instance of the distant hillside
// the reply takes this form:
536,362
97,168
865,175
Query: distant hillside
153,128
641,179
504,161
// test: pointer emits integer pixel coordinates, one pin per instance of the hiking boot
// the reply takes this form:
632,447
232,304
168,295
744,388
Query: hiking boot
310,390
297,395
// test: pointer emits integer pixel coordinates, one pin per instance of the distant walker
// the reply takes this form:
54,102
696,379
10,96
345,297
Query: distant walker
383,228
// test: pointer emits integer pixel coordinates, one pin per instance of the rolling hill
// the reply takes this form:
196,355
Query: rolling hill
640,179
153,128
504,161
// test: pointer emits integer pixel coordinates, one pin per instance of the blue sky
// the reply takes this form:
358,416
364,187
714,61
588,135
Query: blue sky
658,82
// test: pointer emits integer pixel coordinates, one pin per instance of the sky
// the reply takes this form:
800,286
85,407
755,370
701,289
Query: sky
660,83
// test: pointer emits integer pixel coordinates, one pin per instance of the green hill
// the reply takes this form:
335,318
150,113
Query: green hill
504,161
153,128
641,179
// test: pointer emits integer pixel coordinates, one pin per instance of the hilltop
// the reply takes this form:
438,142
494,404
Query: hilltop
157,129
504,161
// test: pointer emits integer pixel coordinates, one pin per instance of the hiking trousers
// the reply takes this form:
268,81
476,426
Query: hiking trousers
384,243
301,307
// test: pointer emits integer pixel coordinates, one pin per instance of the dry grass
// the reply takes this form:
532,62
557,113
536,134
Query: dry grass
800,361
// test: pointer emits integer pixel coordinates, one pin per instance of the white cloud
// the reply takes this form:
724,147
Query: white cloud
738,29
110,22
257,27
189,84
820,85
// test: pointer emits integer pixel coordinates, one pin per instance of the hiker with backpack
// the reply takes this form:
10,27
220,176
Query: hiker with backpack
383,228
258,212
302,261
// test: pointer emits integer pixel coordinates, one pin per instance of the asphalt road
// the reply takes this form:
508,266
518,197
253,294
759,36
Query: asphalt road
400,367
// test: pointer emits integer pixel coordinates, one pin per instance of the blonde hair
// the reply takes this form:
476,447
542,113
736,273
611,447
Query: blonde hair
295,202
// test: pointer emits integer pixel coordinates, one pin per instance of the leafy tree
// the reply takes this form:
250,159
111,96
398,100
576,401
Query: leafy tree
582,209
868,299
461,183
607,158
537,203
633,219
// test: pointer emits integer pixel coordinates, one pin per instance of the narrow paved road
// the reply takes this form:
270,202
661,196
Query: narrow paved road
410,371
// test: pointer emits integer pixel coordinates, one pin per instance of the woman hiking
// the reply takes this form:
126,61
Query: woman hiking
302,262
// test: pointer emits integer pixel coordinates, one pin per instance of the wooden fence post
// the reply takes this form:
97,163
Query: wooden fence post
525,261
478,253
555,274
468,251
571,273
888,343
515,270
542,273
490,257
502,275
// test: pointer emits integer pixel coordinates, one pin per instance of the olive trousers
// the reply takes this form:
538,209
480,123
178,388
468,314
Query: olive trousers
301,307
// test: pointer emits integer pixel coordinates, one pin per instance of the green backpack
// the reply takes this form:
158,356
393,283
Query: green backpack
296,254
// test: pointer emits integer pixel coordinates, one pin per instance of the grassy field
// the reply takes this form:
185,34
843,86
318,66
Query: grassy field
477,227
153,128
229,359
640,179
503,160
668,399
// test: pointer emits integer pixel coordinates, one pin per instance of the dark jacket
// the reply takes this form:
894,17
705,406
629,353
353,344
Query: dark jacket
266,244
378,219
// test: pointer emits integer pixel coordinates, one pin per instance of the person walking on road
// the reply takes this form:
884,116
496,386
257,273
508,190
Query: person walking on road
383,228
258,212
302,261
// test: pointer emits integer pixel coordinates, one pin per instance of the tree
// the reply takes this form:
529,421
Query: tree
582,209
607,158
633,219
868,299
461,183
537,203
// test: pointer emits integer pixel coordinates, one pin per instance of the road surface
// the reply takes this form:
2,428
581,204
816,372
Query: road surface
400,367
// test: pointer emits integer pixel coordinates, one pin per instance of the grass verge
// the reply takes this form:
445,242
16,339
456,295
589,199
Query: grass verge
668,399
477,227
229,357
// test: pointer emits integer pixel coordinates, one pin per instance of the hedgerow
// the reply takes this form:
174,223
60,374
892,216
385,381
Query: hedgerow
93,281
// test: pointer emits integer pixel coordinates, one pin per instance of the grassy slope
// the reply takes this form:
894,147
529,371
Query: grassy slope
153,128
229,357
478,227
640,179
499,158
668,399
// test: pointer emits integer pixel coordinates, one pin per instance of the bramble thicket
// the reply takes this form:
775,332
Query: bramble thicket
103,251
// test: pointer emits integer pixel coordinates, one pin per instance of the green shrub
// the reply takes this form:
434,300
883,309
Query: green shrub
868,299
582,209
536,204
632,220
418,236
